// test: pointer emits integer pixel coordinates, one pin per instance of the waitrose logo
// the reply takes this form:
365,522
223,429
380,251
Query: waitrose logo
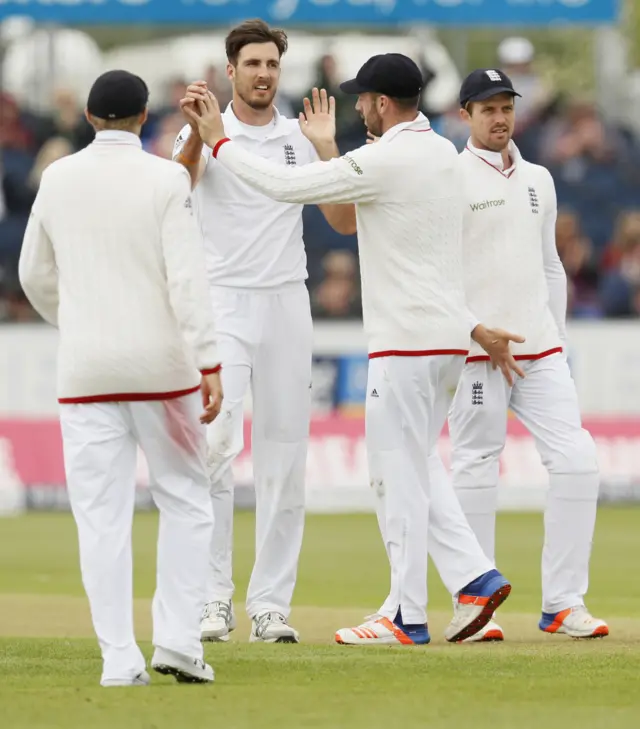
487,204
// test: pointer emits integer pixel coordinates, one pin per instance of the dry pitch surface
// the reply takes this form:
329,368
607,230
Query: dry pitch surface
49,663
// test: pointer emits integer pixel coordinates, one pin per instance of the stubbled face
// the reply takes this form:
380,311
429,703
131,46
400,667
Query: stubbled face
491,121
369,108
256,74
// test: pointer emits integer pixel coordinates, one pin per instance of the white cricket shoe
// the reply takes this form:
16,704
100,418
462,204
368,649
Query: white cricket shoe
272,627
142,679
491,632
217,621
475,605
183,668
378,630
575,622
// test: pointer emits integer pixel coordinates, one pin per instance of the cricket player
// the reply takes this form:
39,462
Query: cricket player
513,275
256,267
409,228
112,257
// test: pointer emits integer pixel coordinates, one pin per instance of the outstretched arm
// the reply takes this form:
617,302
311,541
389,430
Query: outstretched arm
347,179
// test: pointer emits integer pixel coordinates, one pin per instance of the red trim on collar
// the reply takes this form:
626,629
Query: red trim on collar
497,169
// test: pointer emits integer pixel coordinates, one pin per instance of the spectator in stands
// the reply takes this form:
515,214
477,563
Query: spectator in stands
620,290
66,120
14,305
451,126
577,256
14,132
516,57
626,235
52,150
164,137
338,295
349,125
219,84
16,159
594,166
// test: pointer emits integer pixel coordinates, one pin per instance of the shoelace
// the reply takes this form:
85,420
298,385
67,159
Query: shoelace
220,609
581,611
263,621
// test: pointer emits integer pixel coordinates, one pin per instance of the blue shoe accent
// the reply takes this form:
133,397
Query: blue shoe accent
485,585
418,633
547,620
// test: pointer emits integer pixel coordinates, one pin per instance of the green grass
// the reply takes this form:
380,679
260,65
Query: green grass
50,666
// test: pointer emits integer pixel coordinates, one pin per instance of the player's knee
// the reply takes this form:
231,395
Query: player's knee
574,454
477,469
288,423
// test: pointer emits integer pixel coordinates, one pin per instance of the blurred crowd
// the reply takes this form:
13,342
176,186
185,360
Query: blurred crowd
595,165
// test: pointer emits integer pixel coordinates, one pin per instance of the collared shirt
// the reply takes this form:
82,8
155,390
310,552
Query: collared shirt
251,241
409,220
514,278
495,159
116,136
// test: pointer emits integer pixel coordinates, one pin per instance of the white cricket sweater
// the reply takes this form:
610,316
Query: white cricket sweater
113,257
251,240
514,278
409,231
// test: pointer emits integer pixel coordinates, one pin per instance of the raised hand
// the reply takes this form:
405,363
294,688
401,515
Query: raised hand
193,93
206,115
318,121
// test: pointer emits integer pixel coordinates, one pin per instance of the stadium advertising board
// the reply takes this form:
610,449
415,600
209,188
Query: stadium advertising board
31,466
314,12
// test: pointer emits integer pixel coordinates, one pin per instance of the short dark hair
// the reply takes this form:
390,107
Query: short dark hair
254,31
407,104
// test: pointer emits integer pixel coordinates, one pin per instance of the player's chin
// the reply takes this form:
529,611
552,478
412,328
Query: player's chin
261,100
499,140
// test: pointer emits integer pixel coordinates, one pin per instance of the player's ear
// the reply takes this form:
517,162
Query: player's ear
231,72
465,115
87,116
144,116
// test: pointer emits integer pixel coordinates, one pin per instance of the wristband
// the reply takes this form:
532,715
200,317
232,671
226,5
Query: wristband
187,161
219,144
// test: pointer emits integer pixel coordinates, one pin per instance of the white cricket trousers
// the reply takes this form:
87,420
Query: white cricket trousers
265,339
546,403
100,450
407,403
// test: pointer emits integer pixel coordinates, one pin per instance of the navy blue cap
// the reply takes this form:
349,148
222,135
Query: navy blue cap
483,83
117,95
391,74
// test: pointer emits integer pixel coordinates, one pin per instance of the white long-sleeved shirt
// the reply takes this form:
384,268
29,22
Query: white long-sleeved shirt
514,278
409,231
113,257
251,241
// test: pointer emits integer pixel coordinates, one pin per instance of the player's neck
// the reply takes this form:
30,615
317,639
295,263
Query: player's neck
506,157
396,119
250,116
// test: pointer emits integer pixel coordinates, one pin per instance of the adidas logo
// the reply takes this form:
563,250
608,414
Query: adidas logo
374,393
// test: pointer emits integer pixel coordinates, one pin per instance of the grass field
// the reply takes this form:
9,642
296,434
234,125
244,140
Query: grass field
50,665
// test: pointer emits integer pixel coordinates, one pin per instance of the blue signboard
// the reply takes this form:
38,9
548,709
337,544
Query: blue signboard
317,12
